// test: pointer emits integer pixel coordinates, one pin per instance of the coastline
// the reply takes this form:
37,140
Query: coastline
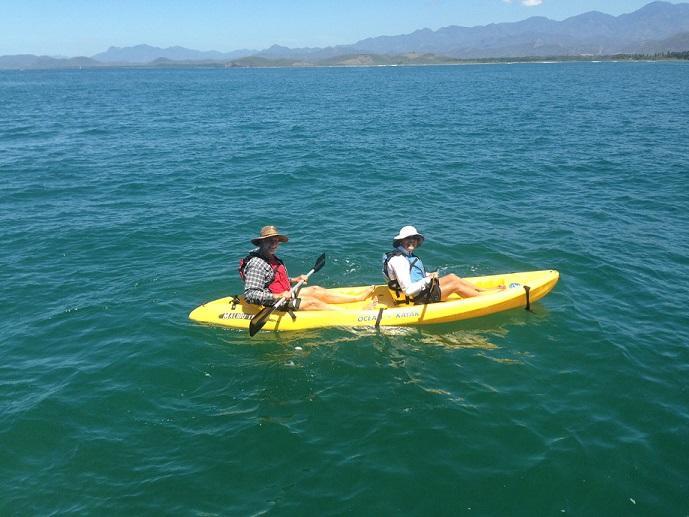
364,60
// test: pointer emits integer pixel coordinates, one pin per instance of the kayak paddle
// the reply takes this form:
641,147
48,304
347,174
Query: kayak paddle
262,316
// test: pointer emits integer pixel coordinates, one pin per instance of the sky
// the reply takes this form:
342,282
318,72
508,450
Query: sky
87,27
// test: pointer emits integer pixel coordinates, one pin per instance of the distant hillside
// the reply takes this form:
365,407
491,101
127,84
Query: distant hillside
657,28
347,60
147,53
589,33
21,61
676,43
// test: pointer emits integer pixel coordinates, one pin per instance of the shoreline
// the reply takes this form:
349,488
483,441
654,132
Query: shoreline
360,61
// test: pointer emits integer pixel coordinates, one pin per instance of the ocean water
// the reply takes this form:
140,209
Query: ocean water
128,196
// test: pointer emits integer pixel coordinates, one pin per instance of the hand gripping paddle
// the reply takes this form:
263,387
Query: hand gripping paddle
262,316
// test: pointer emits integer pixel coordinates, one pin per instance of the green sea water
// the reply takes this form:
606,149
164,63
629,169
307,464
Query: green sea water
128,197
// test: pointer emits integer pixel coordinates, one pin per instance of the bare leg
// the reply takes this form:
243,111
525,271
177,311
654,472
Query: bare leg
314,304
324,295
452,284
309,303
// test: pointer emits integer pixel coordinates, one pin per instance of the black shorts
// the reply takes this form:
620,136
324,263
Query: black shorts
431,294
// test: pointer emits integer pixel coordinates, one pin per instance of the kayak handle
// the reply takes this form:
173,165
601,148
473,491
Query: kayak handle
528,300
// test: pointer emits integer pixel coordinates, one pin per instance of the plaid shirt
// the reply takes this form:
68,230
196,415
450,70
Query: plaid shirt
259,275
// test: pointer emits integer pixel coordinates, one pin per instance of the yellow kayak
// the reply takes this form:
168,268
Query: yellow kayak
521,289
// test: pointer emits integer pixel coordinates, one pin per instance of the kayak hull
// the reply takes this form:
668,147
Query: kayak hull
390,311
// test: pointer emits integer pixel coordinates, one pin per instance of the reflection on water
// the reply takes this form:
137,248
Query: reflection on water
472,333
461,339
293,350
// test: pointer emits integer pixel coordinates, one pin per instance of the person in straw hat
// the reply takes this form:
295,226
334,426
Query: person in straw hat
406,273
266,280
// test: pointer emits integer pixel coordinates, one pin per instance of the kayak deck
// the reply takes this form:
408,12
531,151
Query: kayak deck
390,311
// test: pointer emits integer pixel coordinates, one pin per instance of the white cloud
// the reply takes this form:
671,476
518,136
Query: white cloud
527,3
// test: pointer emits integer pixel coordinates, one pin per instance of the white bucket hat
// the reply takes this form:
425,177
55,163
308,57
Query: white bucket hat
407,231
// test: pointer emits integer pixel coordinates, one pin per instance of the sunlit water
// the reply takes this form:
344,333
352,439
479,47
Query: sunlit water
128,197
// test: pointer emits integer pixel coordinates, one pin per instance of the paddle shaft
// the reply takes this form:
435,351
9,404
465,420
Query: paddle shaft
261,317
295,291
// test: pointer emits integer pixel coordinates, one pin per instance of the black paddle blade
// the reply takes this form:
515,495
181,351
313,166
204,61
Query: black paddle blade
259,320
320,262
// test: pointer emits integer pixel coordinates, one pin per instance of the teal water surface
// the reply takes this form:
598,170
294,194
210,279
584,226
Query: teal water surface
128,197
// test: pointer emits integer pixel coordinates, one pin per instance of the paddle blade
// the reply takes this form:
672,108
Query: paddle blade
259,320
320,262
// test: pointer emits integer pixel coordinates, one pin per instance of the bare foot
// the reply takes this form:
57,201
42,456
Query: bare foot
497,288
368,293
371,305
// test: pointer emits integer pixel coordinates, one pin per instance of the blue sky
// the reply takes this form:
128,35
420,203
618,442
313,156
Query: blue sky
86,27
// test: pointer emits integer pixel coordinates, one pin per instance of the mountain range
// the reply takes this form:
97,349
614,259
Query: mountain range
658,27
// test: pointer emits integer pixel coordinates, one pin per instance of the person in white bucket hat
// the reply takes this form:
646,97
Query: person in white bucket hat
406,273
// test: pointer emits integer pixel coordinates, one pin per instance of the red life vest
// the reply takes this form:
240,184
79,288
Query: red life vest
280,282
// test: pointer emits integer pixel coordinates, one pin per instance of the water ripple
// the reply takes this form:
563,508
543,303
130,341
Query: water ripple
129,196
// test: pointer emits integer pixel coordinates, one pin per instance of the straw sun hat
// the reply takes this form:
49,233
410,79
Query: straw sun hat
407,231
266,232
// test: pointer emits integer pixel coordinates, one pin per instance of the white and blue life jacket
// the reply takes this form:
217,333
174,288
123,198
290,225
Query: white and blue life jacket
416,269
